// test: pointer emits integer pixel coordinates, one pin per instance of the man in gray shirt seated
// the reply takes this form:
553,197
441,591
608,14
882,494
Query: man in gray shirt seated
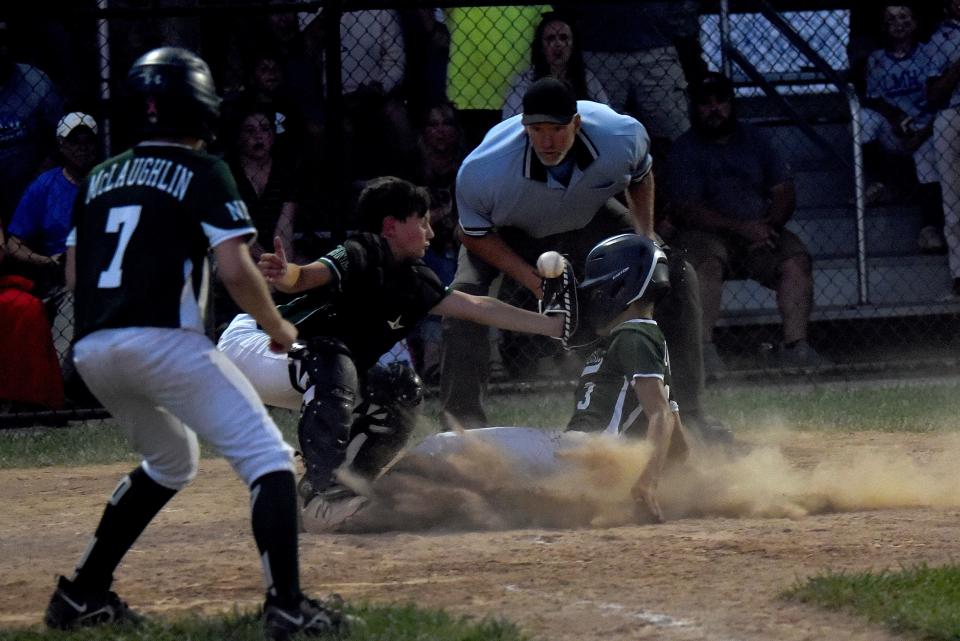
732,194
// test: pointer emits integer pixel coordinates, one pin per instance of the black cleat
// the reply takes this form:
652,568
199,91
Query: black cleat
70,608
310,617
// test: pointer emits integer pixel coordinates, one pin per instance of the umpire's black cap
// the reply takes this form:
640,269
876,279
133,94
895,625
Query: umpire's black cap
549,100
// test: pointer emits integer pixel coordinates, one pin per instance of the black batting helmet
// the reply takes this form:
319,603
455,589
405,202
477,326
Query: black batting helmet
172,93
619,271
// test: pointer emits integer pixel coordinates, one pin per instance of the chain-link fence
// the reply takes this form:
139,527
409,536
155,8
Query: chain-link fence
837,229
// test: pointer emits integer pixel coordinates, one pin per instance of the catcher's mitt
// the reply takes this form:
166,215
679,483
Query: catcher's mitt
560,297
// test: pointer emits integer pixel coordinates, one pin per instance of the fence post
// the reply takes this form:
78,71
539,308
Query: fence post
103,45
333,122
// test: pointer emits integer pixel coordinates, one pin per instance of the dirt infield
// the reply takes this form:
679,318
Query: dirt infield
706,578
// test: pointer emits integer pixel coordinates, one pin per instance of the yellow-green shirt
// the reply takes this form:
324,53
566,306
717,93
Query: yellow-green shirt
488,46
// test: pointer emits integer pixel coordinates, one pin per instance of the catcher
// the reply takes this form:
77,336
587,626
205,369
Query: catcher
359,300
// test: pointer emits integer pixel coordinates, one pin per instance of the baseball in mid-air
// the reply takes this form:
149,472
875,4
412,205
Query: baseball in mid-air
551,264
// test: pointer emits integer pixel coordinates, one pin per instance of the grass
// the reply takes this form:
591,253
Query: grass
919,408
929,408
90,443
921,600
400,623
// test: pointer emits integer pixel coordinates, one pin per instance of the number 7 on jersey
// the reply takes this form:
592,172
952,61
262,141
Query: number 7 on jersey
123,220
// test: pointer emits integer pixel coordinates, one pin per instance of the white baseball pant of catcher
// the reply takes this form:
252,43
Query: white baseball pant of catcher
248,347
167,386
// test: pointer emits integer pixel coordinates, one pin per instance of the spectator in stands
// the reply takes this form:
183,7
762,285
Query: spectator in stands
266,88
943,91
733,195
868,33
265,181
29,368
426,340
440,151
298,53
440,148
373,68
897,121
556,51
300,64
441,256
266,184
29,108
297,41
44,216
427,48
644,54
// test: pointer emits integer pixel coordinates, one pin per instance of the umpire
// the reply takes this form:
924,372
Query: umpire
548,180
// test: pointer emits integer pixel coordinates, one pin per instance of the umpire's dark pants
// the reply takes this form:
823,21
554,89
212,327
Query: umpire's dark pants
465,355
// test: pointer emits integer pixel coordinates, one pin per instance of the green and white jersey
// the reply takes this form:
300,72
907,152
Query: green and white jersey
143,223
605,400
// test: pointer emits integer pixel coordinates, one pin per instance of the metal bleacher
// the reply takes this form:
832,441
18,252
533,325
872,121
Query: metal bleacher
865,266
901,281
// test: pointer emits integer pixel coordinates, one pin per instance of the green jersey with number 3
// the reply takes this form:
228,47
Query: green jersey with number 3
605,400
164,205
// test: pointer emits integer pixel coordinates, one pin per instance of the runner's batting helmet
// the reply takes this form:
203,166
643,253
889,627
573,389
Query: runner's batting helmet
619,271
172,94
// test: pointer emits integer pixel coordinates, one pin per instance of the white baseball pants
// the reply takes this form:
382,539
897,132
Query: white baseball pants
167,386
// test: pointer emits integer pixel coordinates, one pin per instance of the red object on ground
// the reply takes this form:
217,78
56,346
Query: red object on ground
29,367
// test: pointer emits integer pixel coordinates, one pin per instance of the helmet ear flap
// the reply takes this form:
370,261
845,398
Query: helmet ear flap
659,283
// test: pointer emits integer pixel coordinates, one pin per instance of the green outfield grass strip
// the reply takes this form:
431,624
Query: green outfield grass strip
920,408
399,623
921,599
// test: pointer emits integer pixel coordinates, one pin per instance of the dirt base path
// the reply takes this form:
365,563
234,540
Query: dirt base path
689,579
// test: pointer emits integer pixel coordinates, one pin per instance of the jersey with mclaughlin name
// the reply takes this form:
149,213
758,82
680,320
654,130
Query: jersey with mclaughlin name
143,222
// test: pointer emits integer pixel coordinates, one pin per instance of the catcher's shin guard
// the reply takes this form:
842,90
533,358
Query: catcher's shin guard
326,415
386,418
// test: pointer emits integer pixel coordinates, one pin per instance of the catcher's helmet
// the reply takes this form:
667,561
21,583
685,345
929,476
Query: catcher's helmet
620,270
172,93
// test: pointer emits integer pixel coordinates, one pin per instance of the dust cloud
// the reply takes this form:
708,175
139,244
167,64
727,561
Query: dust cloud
479,488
